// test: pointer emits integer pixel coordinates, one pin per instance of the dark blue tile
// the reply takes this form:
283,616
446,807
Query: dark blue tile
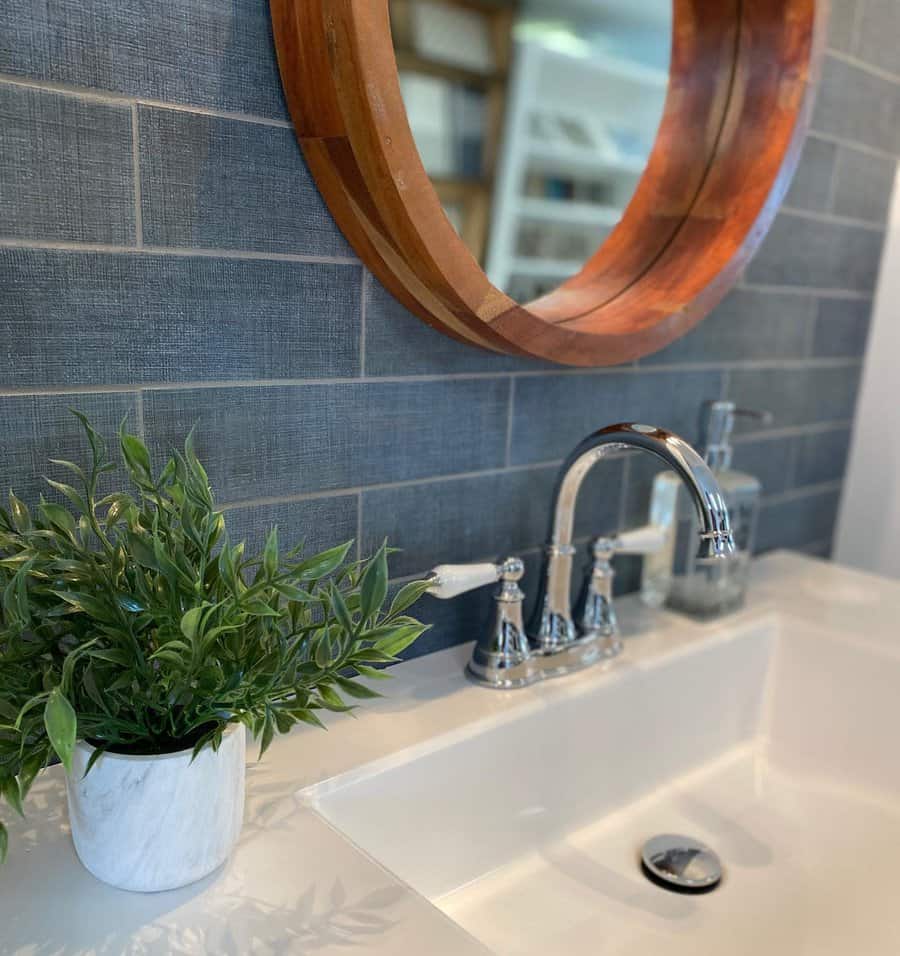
483,517
876,35
101,319
768,459
283,440
318,522
40,427
801,396
864,185
841,22
553,413
811,186
808,252
798,522
747,325
226,184
212,53
65,167
842,328
822,457
858,106
399,343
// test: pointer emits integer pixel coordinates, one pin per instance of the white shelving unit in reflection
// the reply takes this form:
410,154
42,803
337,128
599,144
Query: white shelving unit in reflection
578,132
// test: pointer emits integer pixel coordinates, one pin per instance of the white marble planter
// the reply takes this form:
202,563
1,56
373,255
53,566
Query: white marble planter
156,823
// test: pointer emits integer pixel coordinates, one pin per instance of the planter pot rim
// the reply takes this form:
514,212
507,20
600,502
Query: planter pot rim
84,746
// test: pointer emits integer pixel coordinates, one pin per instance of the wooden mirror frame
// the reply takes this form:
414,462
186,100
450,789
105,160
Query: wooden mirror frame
742,79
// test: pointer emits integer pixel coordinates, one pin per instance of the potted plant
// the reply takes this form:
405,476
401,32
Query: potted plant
138,645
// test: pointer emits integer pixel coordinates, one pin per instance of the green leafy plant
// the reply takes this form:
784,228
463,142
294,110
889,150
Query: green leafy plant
130,621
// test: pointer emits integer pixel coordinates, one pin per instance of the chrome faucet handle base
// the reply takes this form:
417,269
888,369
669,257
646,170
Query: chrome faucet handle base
597,614
502,657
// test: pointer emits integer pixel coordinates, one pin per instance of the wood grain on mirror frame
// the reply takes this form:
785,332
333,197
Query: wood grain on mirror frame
740,95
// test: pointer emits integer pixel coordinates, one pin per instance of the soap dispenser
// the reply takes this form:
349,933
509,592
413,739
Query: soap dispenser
674,576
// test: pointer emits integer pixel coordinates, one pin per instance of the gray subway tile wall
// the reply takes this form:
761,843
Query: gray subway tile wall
65,167
165,255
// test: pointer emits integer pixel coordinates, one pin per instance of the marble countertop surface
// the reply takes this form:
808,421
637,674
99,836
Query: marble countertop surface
295,885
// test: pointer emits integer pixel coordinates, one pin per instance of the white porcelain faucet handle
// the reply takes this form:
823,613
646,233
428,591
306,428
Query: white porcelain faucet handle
645,540
451,580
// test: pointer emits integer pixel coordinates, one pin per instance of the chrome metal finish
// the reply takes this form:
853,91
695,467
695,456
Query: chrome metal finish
553,629
597,616
502,657
681,863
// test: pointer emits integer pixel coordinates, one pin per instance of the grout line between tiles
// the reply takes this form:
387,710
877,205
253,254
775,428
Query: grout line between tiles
136,173
802,364
832,219
804,491
792,431
851,144
123,99
139,415
178,251
623,493
510,418
800,430
863,65
363,312
823,293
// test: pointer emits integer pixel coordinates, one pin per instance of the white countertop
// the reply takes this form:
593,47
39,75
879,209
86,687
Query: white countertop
294,884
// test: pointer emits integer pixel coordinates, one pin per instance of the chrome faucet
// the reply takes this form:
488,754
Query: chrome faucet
504,657
553,628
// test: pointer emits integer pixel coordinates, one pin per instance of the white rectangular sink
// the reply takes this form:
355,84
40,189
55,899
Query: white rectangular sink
769,739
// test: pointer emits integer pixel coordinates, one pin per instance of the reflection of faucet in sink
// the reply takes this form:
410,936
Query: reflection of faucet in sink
504,657
553,628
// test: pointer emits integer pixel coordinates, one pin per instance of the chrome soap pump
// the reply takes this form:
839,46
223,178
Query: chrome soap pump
673,576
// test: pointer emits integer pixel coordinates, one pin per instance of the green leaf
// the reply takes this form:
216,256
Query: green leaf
135,452
9,788
19,512
69,492
69,466
292,593
268,734
355,689
374,584
58,517
4,843
270,555
322,564
95,756
371,673
308,717
340,610
323,652
31,767
407,596
190,623
61,724
403,638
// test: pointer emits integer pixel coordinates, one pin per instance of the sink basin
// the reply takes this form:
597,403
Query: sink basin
770,739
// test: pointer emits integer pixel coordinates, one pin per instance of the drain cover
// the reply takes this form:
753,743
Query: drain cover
681,864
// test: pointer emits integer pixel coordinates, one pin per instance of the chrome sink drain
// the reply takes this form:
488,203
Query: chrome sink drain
681,864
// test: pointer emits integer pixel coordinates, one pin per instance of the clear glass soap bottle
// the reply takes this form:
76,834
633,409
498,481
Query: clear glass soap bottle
673,576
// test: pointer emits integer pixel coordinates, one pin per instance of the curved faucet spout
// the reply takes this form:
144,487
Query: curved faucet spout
553,627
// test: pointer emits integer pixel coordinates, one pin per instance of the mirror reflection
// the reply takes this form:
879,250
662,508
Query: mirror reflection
534,120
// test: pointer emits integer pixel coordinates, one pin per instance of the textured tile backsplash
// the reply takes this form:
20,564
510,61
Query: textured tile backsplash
165,254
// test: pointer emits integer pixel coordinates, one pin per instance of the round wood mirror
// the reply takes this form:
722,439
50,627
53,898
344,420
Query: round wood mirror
659,246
